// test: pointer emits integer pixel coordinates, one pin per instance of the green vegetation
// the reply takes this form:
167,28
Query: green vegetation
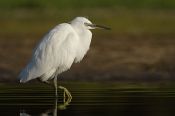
78,4
136,16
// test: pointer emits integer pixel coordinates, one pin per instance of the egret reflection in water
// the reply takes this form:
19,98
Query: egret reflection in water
52,111
103,100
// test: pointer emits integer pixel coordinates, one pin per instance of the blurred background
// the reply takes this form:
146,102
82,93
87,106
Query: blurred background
140,46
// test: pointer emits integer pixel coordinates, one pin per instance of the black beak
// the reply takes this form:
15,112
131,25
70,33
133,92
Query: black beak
98,26
101,27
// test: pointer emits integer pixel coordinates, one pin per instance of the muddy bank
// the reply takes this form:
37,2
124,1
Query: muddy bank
131,57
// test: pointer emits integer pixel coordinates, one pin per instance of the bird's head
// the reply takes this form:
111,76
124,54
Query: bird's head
86,23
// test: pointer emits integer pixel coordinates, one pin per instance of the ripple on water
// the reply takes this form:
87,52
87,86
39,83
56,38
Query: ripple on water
93,101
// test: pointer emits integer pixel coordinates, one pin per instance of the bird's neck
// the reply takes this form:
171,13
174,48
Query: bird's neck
78,28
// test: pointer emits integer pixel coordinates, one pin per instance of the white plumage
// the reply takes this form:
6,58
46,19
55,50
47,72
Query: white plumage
64,45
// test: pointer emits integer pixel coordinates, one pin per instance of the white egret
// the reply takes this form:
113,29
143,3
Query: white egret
65,44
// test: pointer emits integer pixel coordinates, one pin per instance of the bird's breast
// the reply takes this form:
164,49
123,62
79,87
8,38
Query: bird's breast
83,45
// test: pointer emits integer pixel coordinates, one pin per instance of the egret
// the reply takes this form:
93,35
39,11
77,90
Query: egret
65,44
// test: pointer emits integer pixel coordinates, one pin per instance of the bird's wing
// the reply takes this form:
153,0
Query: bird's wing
57,46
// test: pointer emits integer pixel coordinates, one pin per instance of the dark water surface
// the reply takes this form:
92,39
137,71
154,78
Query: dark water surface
88,100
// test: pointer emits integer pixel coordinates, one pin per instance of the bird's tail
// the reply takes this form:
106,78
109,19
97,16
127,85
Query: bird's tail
23,76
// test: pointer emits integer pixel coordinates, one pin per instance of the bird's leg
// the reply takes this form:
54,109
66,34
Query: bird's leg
55,86
67,93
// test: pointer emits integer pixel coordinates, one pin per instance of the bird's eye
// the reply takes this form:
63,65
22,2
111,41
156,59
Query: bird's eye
86,24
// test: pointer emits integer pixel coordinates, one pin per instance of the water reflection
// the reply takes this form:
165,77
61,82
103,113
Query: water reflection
88,101
52,111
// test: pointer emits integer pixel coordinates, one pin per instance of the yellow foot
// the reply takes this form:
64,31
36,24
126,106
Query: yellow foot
69,96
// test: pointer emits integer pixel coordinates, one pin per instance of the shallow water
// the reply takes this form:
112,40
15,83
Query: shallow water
88,100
